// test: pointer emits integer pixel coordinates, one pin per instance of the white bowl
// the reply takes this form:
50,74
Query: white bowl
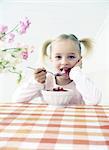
57,98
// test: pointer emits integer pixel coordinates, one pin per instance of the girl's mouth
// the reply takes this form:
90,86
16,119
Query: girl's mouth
64,71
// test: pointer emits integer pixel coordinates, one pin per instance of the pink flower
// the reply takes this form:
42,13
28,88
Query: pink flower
3,28
22,30
24,55
27,22
24,25
13,55
11,37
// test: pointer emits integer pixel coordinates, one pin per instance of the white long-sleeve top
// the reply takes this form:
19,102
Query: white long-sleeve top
83,89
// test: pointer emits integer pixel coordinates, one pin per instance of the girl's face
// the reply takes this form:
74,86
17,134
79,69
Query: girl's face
64,56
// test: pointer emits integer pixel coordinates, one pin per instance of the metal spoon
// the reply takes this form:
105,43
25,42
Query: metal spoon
55,74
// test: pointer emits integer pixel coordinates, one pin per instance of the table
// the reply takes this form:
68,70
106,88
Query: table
30,126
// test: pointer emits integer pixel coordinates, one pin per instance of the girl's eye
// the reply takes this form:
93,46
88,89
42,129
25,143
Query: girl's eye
71,57
57,57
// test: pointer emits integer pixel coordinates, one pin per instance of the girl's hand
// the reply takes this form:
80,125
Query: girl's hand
40,75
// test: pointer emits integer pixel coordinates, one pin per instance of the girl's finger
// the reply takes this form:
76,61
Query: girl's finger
39,70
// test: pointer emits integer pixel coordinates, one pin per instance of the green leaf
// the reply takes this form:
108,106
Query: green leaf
19,78
18,49
13,55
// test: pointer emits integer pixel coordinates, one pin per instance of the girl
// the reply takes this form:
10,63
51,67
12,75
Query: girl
65,56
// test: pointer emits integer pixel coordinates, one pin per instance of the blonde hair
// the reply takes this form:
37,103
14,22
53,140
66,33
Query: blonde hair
87,42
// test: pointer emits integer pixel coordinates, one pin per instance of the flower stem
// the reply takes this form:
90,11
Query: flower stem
9,31
19,75
10,49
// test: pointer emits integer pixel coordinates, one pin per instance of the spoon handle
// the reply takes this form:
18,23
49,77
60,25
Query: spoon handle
56,74
43,70
31,68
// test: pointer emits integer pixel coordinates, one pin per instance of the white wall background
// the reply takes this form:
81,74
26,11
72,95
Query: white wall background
50,18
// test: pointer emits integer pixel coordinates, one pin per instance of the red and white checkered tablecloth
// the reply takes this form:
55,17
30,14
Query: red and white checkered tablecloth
30,126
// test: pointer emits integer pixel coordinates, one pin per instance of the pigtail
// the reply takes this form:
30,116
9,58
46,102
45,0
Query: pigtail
88,44
44,49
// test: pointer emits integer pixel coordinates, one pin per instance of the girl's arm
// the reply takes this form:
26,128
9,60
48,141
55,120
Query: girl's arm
32,88
91,94
27,91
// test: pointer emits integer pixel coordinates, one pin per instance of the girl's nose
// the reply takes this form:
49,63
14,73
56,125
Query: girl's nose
64,61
